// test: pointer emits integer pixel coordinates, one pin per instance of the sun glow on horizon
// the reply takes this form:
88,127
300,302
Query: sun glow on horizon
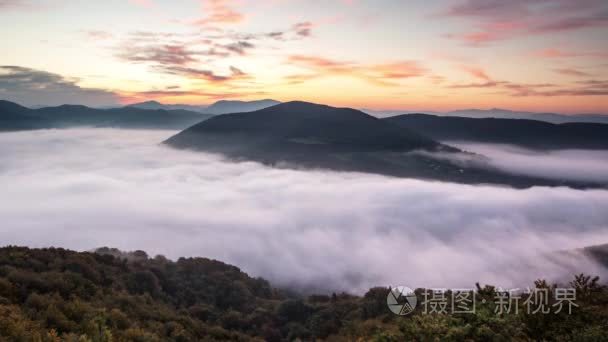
383,55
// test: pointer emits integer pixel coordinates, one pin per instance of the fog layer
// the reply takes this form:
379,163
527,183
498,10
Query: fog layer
577,165
85,188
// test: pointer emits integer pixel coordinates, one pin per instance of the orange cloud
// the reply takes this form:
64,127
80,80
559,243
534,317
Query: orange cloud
380,74
220,12
476,72
571,72
559,53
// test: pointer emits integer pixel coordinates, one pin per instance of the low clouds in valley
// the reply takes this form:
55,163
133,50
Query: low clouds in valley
86,188
576,165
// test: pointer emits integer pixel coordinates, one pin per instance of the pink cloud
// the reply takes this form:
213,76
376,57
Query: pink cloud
98,34
383,74
494,20
571,72
220,12
476,72
560,53
142,3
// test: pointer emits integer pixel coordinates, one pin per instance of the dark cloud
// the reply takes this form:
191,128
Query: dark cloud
239,47
183,54
35,87
203,74
236,72
183,60
278,35
163,54
303,29
297,31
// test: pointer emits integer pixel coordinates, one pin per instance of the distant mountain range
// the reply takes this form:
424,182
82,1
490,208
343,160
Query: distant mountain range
501,114
225,107
219,107
16,117
522,132
155,105
317,136
548,117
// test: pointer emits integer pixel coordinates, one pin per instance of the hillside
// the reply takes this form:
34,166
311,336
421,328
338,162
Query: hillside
14,117
316,136
126,117
62,295
527,133
546,117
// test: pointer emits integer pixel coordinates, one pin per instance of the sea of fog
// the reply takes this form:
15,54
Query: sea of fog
86,188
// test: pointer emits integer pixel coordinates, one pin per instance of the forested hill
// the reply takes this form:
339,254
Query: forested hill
526,133
62,295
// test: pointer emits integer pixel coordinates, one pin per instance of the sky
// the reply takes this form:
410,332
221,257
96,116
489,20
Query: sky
543,55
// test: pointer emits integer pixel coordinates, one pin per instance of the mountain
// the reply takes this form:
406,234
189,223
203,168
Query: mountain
527,133
388,113
316,136
155,105
547,117
299,126
126,117
225,107
16,117
219,107
500,114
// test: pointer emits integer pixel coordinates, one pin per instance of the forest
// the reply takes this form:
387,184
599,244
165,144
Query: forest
108,295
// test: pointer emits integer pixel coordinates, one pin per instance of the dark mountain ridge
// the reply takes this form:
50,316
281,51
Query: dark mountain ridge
293,127
316,136
219,107
16,117
555,118
157,105
522,132
499,113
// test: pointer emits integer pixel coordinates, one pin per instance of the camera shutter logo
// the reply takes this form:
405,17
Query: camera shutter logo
401,300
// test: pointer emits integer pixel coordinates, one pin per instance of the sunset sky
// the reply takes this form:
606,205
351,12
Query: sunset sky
543,55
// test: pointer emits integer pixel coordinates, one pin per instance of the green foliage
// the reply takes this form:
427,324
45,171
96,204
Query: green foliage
61,295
